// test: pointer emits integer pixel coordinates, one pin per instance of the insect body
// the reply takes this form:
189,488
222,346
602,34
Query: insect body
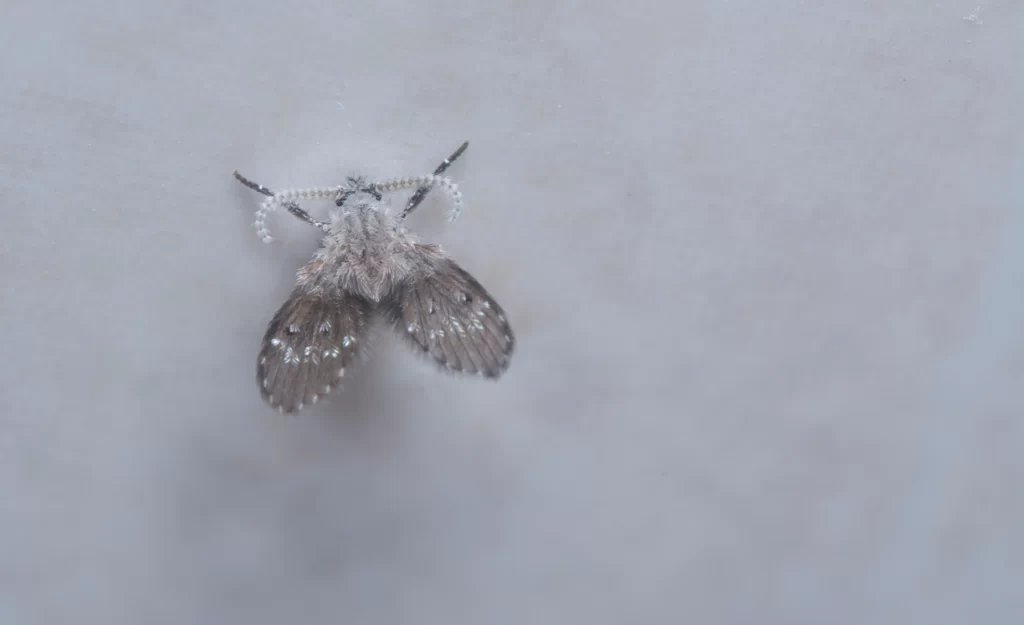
368,265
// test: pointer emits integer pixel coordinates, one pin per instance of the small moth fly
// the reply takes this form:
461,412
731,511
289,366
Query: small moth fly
368,265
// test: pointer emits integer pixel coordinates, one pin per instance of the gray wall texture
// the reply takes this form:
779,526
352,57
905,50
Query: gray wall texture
765,262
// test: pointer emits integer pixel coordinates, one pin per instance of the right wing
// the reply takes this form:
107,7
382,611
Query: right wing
451,316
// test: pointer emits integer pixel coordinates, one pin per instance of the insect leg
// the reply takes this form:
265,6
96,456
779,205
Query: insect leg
292,207
421,192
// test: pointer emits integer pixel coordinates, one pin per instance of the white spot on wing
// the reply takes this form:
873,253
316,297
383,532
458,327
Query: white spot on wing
290,357
311,355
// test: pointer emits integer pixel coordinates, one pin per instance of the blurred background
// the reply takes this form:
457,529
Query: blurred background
765,263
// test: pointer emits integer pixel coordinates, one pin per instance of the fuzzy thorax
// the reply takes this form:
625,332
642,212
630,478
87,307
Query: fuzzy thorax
367,252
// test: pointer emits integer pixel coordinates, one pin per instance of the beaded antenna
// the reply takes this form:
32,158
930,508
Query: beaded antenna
368,266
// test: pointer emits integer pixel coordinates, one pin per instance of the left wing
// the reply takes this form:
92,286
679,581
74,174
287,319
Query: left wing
308,344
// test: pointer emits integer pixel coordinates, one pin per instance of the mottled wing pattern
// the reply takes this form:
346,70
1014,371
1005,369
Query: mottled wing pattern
308,344
451,317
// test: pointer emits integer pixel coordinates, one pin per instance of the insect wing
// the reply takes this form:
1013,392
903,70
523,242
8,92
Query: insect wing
308,345
451,316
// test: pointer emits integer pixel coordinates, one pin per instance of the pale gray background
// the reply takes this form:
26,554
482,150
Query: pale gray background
765,261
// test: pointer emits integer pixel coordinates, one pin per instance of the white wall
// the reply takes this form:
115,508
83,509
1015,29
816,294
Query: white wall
765,262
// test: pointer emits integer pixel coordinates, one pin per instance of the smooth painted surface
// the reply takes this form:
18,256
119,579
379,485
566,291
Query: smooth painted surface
765,262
